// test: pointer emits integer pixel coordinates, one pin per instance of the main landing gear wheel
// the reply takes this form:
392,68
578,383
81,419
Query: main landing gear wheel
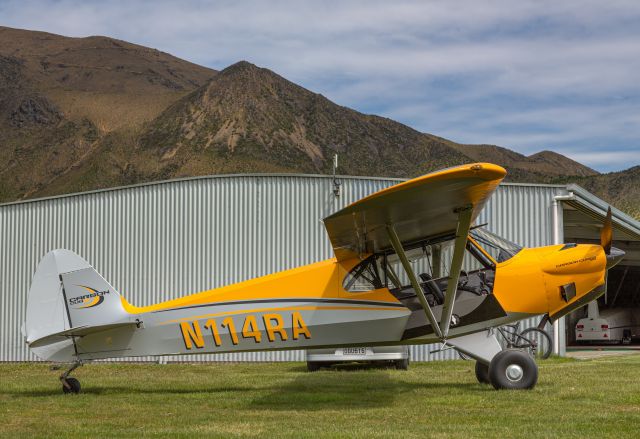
513,369
71,385
402,364
482,373
313,366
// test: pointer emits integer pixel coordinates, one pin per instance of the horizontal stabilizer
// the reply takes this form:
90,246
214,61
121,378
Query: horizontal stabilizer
80,331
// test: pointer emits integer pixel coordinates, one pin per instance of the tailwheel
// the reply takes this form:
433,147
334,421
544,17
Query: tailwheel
513,369
482,373
70,385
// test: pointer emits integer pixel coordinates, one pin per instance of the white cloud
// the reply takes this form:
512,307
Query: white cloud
528,75
626,158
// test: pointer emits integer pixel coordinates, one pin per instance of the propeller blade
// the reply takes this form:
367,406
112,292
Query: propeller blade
606,234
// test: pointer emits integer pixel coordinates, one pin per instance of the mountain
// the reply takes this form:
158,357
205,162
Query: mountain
249,119
246,117
544,162
110,82
60,96
86,113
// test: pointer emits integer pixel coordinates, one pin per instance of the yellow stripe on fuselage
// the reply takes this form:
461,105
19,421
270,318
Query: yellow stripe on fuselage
289,308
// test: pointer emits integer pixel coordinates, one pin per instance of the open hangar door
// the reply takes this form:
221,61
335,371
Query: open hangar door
616,318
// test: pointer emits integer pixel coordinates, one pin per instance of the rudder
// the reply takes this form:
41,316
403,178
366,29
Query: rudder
90,300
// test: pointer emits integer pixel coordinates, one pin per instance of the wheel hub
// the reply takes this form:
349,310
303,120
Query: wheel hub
514,373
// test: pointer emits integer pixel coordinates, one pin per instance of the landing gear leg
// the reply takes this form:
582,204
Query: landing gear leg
482,347
69,384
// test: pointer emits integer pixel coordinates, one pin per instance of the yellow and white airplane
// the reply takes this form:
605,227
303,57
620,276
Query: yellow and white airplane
409,268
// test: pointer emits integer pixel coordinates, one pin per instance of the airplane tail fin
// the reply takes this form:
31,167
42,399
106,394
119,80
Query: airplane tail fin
68,298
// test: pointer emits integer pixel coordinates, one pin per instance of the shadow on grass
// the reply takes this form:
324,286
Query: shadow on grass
347,387
343,386
111,390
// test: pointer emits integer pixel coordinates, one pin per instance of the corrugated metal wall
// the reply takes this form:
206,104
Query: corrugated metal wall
160,241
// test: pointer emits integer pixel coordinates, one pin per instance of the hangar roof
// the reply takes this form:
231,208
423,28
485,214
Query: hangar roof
584,211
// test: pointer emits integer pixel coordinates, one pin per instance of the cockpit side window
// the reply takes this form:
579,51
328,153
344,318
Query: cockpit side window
365,276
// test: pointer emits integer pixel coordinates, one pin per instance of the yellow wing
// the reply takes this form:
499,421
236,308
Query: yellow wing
420,208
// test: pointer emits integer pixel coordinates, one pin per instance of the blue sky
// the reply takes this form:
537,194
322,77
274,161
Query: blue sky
527,75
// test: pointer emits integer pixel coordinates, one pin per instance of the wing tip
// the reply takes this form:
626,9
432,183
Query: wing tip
491,170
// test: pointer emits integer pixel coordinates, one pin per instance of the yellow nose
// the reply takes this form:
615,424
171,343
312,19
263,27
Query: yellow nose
555,279
574,275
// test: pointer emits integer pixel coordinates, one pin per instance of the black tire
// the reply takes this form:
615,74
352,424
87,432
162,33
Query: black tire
313,366
74,386
482,373
538,343
513,369
402,364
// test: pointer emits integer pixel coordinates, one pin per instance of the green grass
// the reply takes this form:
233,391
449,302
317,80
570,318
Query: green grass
585,399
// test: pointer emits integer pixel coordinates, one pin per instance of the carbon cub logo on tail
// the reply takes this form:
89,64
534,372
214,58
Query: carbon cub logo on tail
94,298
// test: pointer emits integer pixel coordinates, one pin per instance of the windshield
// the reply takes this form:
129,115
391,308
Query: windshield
499,248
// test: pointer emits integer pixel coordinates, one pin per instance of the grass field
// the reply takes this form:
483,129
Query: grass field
585,399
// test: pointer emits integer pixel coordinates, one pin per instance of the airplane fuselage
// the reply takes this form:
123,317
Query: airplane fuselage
308,307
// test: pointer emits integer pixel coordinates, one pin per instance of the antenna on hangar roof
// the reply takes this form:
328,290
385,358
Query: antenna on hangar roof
336,182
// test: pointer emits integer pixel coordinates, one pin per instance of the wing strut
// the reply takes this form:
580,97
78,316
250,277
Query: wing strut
397,246
460,243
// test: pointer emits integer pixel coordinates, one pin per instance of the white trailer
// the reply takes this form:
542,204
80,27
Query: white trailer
615,325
